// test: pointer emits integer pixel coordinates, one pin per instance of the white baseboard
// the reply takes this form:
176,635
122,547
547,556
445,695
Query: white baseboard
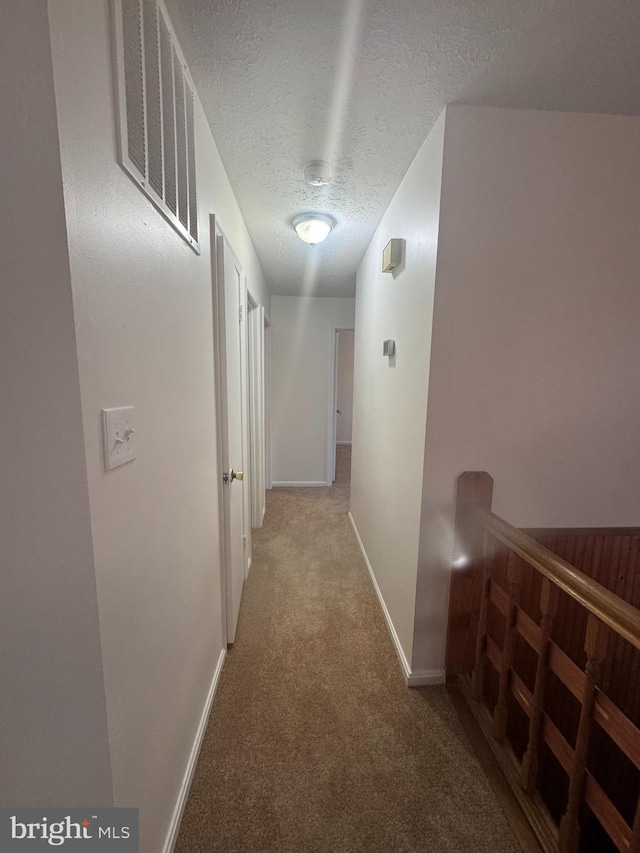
298,483
174,826
426,677
413,679
343,442
264,512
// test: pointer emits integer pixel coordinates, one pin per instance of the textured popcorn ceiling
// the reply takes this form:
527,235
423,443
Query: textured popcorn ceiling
360,82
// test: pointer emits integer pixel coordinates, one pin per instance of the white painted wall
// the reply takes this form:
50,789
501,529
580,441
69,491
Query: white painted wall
301,383
143,313
532,371
53,730
390,402
344,386
534,366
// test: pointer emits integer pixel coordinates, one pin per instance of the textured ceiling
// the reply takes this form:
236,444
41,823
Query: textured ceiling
360,83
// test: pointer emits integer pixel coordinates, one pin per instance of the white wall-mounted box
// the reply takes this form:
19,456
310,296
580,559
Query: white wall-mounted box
392,254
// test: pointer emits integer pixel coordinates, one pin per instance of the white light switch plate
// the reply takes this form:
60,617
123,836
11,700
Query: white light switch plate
118,430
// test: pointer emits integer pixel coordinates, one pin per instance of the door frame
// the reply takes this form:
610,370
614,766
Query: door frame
245,391
333,401
256,383
268,484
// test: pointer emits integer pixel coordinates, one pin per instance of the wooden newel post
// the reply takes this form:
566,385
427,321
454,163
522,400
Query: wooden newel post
475,488
595,646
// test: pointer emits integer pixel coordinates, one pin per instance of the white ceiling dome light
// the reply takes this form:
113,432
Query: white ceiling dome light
313,228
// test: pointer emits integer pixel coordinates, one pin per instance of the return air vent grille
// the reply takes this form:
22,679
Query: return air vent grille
156,111
134,85
191,162
181,143
168,119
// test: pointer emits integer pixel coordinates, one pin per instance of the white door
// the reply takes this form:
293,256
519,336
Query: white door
233,490
256,412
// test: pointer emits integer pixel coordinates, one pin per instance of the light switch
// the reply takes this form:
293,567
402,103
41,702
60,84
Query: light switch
119,436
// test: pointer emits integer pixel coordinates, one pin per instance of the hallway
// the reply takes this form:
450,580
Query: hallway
314,743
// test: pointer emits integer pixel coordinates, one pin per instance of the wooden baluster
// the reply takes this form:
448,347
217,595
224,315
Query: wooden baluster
477,679
531,759
634,846
514,578
595,646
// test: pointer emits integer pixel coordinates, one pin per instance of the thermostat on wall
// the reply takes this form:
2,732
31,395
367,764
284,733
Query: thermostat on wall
389,348
392,255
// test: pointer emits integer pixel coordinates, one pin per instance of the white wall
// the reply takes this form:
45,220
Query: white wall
534,366
344,386
143,312
301,355
390,401
53,733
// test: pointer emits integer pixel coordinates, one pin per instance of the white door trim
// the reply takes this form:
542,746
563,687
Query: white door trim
219,377
246,420
255,319
333,401
267,405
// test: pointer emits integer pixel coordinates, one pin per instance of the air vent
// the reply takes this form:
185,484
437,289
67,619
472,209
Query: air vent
168,119
156,113
181,143
153,95
134,85
191,161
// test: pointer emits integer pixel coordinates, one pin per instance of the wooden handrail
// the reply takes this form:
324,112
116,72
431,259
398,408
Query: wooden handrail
620,616
486,658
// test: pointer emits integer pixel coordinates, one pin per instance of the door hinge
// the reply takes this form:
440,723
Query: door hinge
240,313
244,541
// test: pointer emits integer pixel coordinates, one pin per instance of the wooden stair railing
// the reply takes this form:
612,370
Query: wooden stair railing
471,648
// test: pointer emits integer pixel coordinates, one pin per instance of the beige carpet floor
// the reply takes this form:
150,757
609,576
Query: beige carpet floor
314,743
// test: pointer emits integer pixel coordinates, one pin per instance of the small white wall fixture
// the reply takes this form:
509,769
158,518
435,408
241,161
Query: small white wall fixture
392,255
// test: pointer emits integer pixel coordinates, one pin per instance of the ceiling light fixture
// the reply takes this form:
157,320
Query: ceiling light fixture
313,228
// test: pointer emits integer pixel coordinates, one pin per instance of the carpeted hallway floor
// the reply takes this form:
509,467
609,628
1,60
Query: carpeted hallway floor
315,744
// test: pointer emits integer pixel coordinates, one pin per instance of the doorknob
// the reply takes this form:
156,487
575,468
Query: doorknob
237,475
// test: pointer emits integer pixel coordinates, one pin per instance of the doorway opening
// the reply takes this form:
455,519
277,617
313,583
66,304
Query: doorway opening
342,403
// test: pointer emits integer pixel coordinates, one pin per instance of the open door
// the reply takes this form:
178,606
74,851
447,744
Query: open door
227,320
